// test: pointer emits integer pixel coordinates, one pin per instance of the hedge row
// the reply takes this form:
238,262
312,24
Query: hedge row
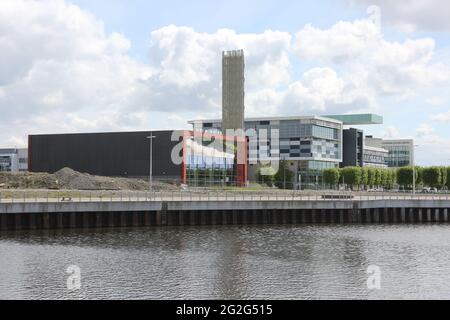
437,177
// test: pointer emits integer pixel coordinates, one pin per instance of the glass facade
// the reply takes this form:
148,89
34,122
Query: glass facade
207,164
13,160
401,153
313,143
358,119
311,173
299,139
5,163
324,133
374,157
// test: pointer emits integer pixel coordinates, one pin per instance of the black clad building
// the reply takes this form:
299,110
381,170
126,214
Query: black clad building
119,154
353,146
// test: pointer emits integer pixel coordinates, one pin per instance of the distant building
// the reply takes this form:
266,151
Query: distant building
309,144
374,157
13,160
358,119
353,141
401,152
360,152
374,142
127,154
233,90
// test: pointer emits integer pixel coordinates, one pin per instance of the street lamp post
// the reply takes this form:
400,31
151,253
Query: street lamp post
150,179
414,170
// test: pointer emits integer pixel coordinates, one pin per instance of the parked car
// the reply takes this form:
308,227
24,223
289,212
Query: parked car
426,190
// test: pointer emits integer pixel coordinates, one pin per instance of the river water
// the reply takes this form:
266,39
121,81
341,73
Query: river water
248,262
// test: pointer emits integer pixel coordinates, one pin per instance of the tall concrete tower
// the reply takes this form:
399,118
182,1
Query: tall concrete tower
233,92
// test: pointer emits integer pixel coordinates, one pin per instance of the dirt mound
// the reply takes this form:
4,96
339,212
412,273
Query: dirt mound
68,179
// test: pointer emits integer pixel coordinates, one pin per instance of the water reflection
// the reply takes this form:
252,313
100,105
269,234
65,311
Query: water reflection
254,262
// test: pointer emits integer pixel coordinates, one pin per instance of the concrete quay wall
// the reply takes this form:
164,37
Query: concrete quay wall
60,215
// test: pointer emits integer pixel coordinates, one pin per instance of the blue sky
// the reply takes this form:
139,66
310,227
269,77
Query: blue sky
136,18
139,64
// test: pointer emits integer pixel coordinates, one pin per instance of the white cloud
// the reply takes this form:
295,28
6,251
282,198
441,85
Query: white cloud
424,130
393,68
58,64
187,65
391,132
321,90
344,41
435,101
442,117
185,57
79,78
412,15
432,150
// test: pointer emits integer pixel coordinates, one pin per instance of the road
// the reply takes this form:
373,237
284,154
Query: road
114,196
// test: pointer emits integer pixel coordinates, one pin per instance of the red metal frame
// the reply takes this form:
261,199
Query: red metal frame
241,169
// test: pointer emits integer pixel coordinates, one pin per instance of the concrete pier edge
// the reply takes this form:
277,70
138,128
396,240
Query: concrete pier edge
30,216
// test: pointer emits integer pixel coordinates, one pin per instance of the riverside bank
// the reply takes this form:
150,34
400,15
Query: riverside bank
97,214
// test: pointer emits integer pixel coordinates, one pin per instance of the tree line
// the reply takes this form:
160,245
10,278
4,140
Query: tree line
357,177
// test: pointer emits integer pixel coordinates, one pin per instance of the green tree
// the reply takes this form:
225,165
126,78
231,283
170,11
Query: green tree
351,176
405,176
331,177
419,175
448,178
391,178
371,178
284,177
443,177
384,176
378,177
365,177
266,175
432,176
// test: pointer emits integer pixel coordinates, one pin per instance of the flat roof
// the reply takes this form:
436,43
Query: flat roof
357,119
103,132
8,150
375,149
324,118
398,142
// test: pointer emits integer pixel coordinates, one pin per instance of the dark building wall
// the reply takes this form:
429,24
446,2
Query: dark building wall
125,154
353,147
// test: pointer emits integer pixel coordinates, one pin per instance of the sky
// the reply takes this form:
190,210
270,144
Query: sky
112,65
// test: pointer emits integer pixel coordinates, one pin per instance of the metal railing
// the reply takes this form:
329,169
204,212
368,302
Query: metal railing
72,196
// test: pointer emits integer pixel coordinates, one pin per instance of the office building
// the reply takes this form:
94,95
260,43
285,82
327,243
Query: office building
233,90
353,141
13,160
374,157
401,152
358,119
308,144
178,156
361,152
